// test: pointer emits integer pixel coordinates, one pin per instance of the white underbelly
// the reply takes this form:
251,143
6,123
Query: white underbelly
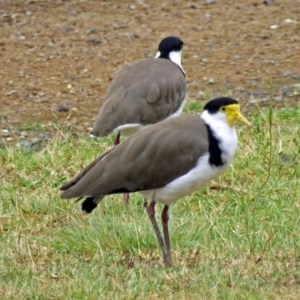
186,184
129,129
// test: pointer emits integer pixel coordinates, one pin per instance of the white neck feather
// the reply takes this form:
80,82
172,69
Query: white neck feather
225,133
175,57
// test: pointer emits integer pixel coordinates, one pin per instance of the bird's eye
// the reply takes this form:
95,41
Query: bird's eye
223,108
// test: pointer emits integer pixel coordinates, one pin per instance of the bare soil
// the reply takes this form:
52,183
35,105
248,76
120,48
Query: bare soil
67,52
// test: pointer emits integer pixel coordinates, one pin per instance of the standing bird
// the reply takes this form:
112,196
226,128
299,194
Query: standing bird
144,93
163,162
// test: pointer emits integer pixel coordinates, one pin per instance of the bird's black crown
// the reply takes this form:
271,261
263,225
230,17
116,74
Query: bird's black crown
213,106
169,44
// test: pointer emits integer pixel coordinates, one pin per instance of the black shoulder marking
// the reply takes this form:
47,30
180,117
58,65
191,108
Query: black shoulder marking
88,205
215,153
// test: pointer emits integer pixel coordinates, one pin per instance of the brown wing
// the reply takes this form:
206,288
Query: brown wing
149,159
146,92
83,172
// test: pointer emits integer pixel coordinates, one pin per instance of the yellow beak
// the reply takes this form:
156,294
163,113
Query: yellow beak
242,119
233,113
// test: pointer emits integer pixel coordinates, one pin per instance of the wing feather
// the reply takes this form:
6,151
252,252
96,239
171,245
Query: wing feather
149,159
146,92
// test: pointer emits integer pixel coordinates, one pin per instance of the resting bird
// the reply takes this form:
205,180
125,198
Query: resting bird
144,93
164,162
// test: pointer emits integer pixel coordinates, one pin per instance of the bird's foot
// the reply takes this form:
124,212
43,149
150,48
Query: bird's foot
167,260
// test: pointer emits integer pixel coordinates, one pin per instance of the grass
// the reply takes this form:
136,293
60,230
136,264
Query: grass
238,238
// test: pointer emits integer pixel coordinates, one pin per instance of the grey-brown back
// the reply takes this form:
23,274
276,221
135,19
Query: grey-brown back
149,159
145,92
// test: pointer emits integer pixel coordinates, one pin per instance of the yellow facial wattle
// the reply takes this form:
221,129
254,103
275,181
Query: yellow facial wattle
233,113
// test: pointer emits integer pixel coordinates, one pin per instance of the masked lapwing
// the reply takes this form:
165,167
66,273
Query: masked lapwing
144,93
163,162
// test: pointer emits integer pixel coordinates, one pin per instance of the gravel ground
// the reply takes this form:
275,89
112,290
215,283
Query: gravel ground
58,57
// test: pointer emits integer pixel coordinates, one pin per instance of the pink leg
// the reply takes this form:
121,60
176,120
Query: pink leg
117,139
126,198
165,220
151,213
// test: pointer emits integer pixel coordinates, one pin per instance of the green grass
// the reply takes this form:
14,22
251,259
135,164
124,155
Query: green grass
236,239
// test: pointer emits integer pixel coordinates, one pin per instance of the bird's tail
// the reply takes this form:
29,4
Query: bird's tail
90,203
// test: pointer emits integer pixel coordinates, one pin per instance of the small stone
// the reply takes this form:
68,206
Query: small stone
118,24
72,12
278,98
250,97
288,21
10,93
287,73
296,76
20,35
35,147
24,144
51,45
194,84
259,93
211,1
132,7
89,51
94,42
44,136
200,95
94,30
69,29
147,54
62,107
254,80
268,2
5,133
211,81
200,28
21,73
285,90
285,158
36,140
